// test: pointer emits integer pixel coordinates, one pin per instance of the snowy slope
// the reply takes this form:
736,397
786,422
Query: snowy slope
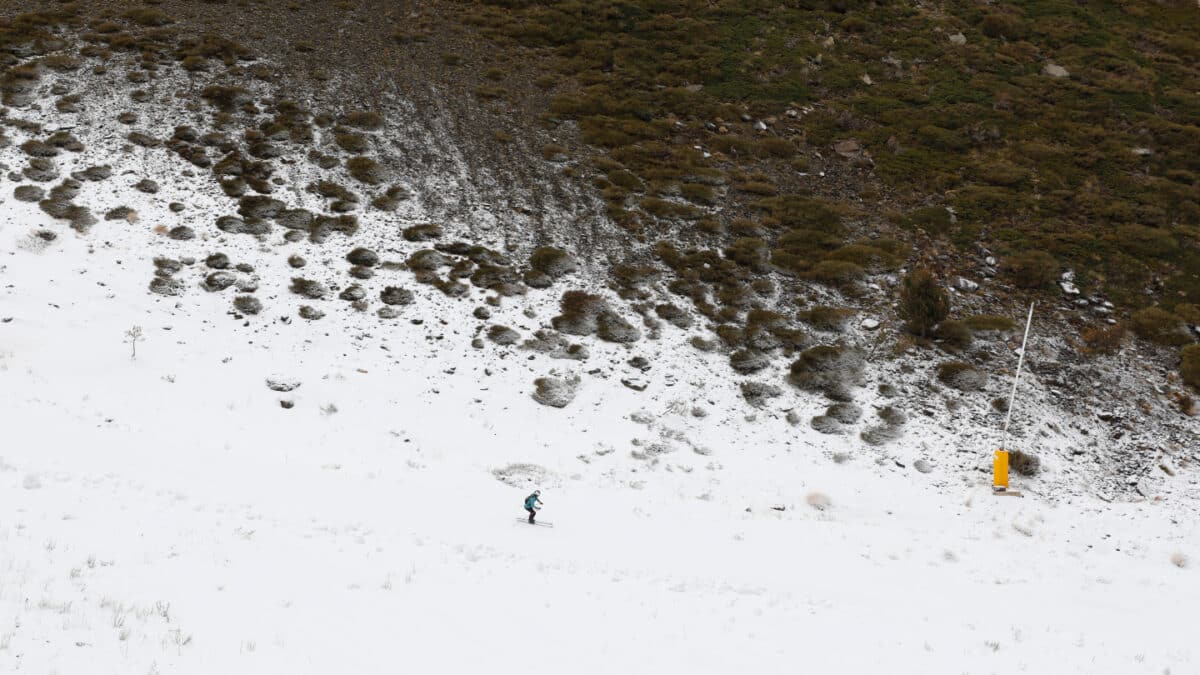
167,515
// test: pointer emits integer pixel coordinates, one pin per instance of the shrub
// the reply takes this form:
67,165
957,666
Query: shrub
1103,339
365,169
961,375
832,319
585,314
247,304
554,262
836,272
923,302
1032,269
954,335
363,120
1024,463
828,369
982,323
1160,327
1189,365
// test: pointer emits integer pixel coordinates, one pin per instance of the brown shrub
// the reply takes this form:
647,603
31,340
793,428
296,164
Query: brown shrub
1103,339
1160,327
1189,365
923,302
1032,269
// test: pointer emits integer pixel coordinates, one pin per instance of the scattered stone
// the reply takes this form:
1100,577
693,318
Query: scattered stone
146,185
286,404
181,233
958,39
217,261
635,383
869,324
482,313
296,261
388,313
1054,70
923,466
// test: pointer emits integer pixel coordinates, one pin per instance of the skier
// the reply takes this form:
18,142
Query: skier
531,505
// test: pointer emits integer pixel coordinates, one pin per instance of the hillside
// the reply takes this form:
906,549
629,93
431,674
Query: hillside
298,300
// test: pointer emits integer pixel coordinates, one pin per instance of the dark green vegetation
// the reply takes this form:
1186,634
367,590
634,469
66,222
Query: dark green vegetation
1059,134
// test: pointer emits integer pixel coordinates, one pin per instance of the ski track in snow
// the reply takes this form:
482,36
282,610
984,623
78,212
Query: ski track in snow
165,514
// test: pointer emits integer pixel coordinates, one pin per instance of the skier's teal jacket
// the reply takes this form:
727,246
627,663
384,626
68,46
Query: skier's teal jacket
531,500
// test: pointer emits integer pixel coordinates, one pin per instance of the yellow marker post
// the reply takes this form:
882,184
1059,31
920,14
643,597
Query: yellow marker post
1000,471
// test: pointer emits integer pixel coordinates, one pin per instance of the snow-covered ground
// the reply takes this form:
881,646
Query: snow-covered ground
165,514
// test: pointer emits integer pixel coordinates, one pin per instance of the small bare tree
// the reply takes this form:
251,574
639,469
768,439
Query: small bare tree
133,336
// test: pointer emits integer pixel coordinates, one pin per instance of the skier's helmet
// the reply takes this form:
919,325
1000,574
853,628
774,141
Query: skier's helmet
537,493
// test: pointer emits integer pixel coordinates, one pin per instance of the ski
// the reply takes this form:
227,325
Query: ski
526,521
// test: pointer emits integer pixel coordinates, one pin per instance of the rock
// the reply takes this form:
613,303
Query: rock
793,418
635,383
966,285
639,362
286,404
848,148
282,384
923,466
958,39
1069,288
363,257
555,391
296,261
388,313
760,126
146,185
869,324
181,233
482,313
1055,71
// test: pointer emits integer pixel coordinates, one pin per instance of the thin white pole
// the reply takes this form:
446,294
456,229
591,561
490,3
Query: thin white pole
1017,378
